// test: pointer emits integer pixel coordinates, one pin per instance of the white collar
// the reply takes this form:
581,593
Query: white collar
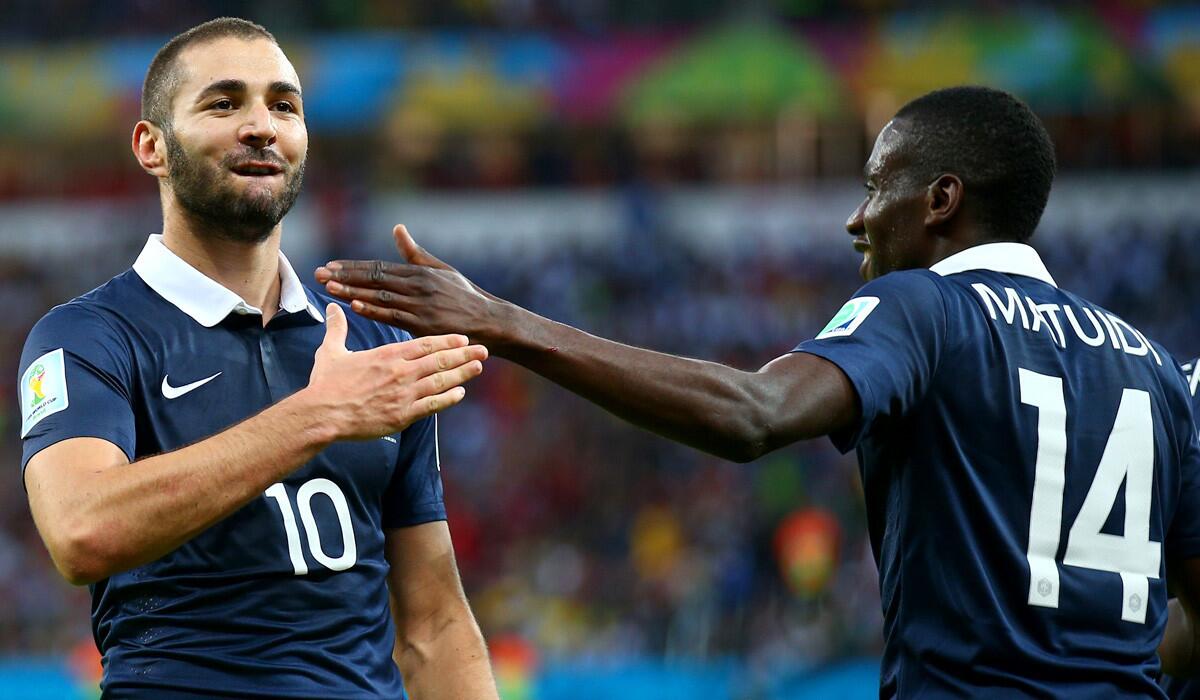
1010,258
204,299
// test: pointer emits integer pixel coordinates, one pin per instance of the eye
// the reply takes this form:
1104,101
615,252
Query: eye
284,107
222,104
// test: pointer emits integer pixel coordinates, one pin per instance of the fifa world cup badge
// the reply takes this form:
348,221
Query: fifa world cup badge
849,318
43,389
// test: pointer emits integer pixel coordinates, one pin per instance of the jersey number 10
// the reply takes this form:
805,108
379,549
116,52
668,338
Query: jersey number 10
1129,457
304,496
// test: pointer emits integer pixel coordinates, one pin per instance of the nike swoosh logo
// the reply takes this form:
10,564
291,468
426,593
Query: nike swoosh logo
174,392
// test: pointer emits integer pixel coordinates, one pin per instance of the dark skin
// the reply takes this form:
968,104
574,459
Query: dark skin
738,415
1179,649
732,413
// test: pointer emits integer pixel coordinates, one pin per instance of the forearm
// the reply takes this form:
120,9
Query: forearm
1178,646
709,406
734,414
124,516
445,657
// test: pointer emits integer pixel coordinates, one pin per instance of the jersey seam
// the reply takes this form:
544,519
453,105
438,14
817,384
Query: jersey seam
945,328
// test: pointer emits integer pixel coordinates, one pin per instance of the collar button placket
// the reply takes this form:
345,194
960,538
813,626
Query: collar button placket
273,370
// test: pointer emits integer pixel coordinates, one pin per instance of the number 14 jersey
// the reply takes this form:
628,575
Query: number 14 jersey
1029,466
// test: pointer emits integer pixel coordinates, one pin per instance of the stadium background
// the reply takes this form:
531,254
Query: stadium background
671,174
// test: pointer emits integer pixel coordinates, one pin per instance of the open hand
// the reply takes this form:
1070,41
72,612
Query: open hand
393,385
424,296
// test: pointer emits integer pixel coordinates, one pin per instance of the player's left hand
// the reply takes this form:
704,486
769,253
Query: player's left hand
424,296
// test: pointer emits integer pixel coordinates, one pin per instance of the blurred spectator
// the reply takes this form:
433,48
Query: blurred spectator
578,536
589,539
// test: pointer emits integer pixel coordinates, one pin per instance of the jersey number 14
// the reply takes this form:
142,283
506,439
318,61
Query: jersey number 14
1129,457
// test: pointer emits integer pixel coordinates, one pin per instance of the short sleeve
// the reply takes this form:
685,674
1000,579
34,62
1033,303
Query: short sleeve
414,495
1183,537
76,378
888,340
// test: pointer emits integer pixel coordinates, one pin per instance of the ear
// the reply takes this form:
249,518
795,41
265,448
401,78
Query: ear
150,148
944,197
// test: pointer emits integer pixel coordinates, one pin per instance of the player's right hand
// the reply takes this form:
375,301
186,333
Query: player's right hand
383,390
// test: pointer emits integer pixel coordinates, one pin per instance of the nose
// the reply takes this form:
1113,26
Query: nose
854,225
259,128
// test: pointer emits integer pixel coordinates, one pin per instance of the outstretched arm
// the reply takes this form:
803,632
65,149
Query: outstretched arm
731,413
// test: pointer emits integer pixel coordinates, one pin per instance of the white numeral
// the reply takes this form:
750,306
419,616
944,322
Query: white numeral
1049,482
1128,457
304,498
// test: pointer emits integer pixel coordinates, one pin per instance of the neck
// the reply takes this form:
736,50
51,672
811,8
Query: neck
250,270
956,240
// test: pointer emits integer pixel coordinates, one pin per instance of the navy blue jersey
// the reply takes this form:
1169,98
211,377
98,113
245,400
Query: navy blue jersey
286,597
1023,453
1177,688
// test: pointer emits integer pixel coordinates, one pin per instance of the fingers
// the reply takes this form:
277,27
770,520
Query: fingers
446,360
378,297
335,328
394,317
423,408
372,272
414,253
419,348
406,245
439,382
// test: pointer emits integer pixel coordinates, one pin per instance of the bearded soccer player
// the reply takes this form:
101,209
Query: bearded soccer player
246,478
1027,457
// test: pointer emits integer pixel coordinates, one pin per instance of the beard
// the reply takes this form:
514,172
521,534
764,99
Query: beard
207,193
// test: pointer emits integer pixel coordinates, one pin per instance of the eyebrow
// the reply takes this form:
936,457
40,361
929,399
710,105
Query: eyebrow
283,86
234,85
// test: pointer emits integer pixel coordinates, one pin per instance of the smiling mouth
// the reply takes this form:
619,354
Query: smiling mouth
257,169
862,245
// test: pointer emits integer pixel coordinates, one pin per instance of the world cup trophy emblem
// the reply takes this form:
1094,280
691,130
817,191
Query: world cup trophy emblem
35,384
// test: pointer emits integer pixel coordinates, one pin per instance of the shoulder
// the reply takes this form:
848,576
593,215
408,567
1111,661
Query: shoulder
905,285
106,317
906,293
1181,379
109,303
83,317
907,301
1191,372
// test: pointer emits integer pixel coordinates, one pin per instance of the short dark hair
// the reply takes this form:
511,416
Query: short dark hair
995,144
164,75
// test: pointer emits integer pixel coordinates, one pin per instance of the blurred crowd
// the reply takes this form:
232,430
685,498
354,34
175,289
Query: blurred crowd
449,96
58,19
578,536
581,537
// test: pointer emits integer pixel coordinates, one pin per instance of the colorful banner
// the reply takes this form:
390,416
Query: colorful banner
1066,60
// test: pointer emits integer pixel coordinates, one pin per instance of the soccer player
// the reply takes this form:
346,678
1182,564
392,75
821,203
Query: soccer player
247,479
1027,457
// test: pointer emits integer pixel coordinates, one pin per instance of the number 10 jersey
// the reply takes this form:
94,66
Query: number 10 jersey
286,597
1029,466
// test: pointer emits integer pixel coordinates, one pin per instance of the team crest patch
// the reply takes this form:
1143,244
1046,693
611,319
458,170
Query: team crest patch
43,389
849,318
